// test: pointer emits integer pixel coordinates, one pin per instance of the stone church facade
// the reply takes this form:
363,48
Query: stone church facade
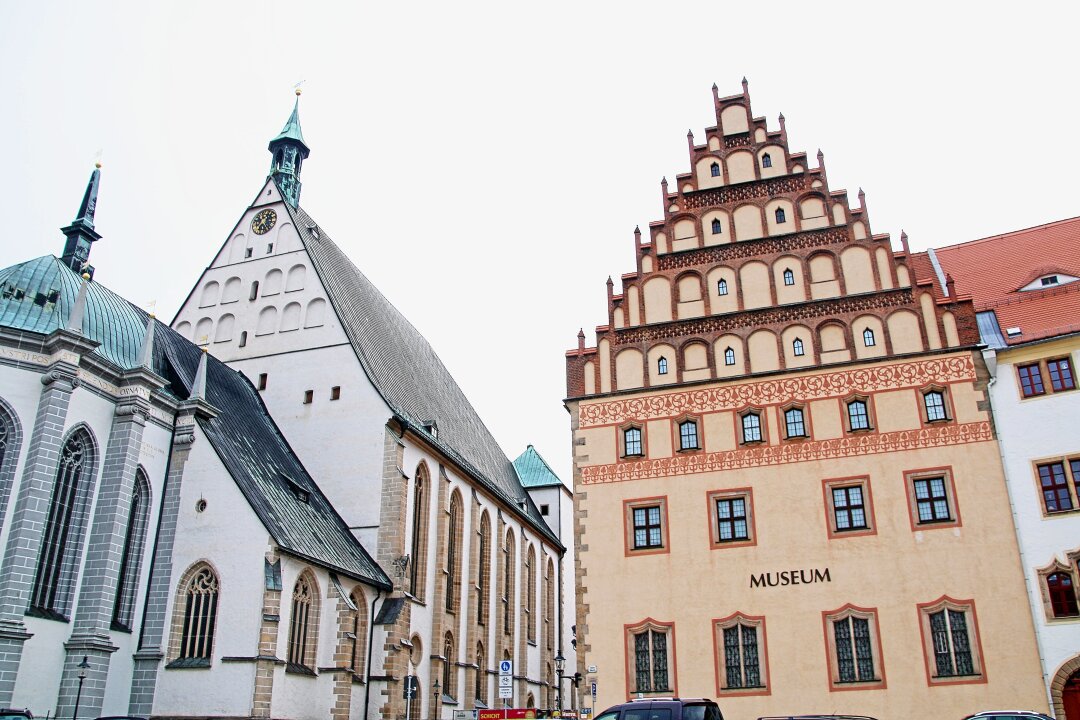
786,423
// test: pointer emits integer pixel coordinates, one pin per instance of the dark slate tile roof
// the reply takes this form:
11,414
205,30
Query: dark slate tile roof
408,374
534,470
244,435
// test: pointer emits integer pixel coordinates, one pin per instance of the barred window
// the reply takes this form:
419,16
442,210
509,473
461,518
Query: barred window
302,626
854,654
134,542
742,667
651,661
952,648
200,617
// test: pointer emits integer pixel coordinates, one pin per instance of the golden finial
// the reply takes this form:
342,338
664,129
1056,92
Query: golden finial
86,276
205,349
153,316
98,164
298,91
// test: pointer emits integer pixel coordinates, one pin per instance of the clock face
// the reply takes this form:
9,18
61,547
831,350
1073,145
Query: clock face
261,223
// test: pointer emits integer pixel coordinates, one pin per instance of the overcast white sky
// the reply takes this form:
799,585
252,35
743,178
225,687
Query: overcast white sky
485,164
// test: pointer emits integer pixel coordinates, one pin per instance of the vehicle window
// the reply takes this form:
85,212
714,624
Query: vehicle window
608,716
701,712
647,714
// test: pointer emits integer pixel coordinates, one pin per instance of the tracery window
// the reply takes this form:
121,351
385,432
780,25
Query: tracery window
797,347
484,576
729,356
418,554
530,595
359,631
134,541
54,579
508,584
302,626
453,553
200,597
721,287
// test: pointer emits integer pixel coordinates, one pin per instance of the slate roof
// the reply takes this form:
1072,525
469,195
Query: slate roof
992,270
410,377
534,470
245,437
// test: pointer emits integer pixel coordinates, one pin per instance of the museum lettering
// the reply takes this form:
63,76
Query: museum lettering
790,577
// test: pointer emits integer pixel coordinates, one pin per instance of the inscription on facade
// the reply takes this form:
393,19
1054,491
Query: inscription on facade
784,578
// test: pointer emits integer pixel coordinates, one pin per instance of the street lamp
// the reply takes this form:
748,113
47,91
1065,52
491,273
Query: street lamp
560,665
83,667
435,706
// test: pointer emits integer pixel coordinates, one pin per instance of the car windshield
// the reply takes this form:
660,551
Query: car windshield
648,714
701,712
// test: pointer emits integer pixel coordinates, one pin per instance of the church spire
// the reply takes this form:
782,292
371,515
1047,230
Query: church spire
289,150
80,233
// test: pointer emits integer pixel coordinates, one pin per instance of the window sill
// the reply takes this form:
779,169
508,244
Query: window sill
689,450
295,669
188,664
47,614
119,627
635,456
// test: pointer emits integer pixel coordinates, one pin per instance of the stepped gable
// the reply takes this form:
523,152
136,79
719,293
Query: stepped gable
410,377
755,249
996,270
38,295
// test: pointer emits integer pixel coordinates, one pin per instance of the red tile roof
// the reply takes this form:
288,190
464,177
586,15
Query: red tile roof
993,270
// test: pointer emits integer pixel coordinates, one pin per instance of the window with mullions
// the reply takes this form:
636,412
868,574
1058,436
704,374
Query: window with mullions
483,577
729,356
797,347
1061,374
688,435
303,626
1062,594
1031,382
934,403
742,661
715,169
717,228
868,337
766,161
751,427
1054,484
651,661
199,599
721,287
648,532
854,651
952,645
731,520
858,416
632,442
849,508
795,423
661,366
931,500
134,541
789,277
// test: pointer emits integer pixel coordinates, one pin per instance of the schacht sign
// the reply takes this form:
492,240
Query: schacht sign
784,578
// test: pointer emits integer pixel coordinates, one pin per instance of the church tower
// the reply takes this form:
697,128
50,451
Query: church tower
80,233
289,151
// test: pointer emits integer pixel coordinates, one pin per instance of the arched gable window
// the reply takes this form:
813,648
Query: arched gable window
766,161
303,625
1062,595
789,277
797,347
715,169
453,553
484,576
717,228
868,337
781,216
418,550
729,356
661,366
199,596
55,577
134,542
721,287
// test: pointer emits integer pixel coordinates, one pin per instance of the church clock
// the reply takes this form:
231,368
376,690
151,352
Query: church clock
262,222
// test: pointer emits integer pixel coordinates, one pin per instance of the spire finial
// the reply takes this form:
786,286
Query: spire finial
146,351
81,233
198,386
78,309
288,150
581,339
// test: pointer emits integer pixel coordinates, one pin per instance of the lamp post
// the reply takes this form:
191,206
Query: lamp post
83,667
435,704
560,665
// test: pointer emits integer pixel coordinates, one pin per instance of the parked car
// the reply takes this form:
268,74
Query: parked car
817,717
1008,715
16,714
669,708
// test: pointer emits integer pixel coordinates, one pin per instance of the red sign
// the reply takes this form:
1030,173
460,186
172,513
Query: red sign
507,714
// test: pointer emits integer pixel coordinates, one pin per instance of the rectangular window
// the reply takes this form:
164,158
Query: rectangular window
646,526
269,248
742,659
849,512
1055,486
632,442
309,395
854,650
649,648
335,392
950,641
731,517
262,381
751,427
795,422
932,498
934,403
247,252
1061,374
858,415
849,507
544,510
688,435
1031,382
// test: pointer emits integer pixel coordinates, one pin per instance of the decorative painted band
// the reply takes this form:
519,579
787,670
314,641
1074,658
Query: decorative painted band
818,386
755,248
714,197
789,453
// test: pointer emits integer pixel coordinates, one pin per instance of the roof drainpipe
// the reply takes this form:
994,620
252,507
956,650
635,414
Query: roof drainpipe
367,665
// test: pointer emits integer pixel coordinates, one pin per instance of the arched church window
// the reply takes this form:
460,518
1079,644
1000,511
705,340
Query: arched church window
303,625
418,554
254,290
721,287
781,216
729,356
717,228
448,674
789,277
797,347
1062,595
200,616
766,161
715,169
134,542
868,337
661,366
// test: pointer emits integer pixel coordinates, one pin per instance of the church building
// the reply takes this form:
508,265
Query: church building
787,482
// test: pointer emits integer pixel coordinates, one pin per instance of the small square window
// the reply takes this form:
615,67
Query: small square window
247,252
544,509
1031,382
308,396
731,517
646,526
262,381
1061,374
335,392
1049,280
932,499
269,248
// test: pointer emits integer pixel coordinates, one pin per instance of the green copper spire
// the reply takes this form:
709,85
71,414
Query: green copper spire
289,150
80,233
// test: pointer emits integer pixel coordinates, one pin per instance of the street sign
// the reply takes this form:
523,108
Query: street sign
592,669
464,715
506,693
586,713
506,667
592,689
409,689
506,681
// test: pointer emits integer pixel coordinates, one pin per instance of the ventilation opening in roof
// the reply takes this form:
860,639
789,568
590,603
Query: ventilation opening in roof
299,491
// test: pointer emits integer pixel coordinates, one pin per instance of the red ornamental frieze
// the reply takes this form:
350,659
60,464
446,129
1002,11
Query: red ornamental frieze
813,450
771,392
740,140
752,248
744,191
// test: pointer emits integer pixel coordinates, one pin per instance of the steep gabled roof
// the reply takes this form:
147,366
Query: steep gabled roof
534,470
410,377
244,436
992,270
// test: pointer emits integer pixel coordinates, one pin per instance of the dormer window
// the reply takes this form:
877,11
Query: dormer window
781,216
1049,280
661,366
797,347
721,287
715,169
729,357
717,228
868,337
766,161
789,277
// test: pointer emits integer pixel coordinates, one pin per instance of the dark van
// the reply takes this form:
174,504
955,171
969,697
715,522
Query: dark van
664,709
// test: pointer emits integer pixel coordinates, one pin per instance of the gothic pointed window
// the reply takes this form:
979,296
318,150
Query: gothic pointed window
448,674
766,161
715,169
484,575
661,366
358,627
549,606
721,287
789,277
453,554
508,584
418,550
530,595
134,541
717,228
868,337
797,347
781,216
480,688
55,577
729,356
196,613
303,626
